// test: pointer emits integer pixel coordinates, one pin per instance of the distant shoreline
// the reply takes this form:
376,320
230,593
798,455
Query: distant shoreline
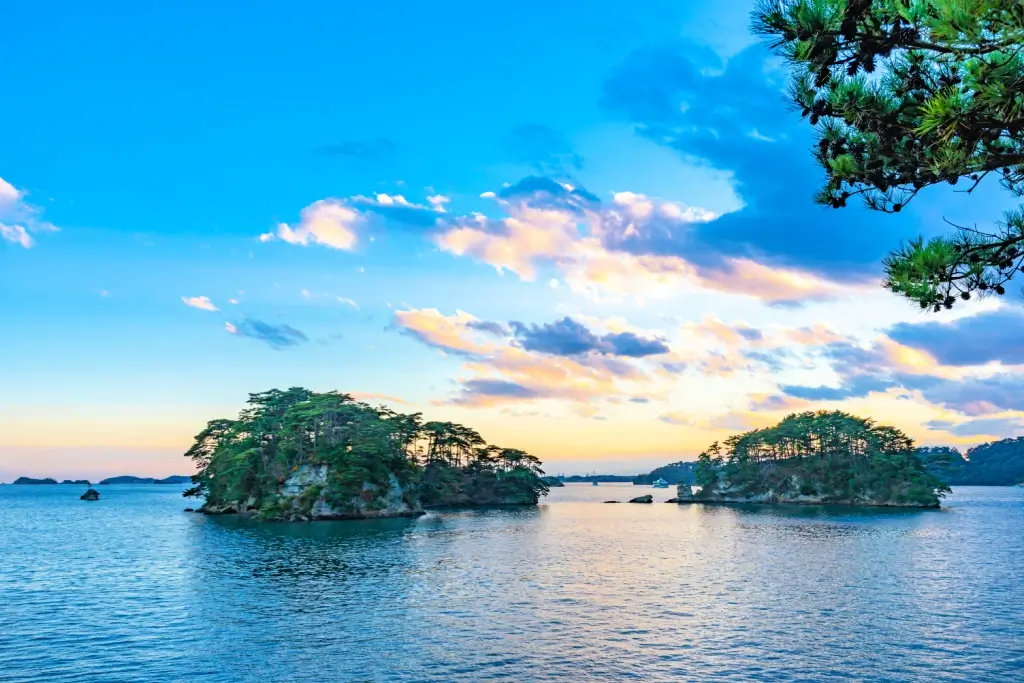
123,479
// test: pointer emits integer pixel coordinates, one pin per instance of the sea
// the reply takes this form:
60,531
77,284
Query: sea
132,588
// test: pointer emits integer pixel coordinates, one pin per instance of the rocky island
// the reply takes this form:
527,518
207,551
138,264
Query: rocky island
824,457
301,455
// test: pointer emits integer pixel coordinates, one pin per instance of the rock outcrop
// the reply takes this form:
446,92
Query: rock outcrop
643,499
801,491
91,494
307,494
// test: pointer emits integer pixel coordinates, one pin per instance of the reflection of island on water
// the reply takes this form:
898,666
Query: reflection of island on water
346,550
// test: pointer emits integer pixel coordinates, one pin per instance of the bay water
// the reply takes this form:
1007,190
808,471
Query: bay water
131,588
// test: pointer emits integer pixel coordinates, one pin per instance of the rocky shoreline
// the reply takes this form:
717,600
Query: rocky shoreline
685,495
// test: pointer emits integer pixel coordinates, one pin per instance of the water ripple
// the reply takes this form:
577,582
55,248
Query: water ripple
133,589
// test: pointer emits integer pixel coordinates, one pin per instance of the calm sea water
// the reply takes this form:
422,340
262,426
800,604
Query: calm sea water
133,589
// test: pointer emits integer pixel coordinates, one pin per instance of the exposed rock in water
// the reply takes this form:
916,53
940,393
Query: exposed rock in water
643,499
613,501
91,494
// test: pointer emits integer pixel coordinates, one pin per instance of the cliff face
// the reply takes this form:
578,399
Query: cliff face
808,489
312,492
308,494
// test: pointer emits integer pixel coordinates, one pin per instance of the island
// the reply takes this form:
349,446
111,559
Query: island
78,482
175,479
29,481
300,455
823,457
674,473
997,463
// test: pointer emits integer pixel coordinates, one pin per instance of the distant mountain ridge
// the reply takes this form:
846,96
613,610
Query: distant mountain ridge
127,479
173,479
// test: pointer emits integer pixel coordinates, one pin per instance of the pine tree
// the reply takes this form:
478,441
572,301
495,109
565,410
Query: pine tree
906,94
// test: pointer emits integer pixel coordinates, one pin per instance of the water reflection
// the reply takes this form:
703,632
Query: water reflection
572,590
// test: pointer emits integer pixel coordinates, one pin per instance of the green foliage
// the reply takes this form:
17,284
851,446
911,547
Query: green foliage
831,454
245,461
999,463
906,94
709,464
681,472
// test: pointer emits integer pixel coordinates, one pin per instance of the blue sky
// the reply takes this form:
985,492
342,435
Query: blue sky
497,215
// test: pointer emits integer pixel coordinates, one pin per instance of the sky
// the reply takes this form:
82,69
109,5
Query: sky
583,229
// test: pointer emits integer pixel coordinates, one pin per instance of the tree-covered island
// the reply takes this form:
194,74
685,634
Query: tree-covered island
824,457
302,455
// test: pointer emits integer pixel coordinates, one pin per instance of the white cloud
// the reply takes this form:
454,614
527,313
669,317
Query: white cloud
203,303
9,195
328,222
580,243
438,201
349,302
16,234
230,329
19,220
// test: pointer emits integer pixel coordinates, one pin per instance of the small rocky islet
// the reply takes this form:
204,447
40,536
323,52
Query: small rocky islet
300,455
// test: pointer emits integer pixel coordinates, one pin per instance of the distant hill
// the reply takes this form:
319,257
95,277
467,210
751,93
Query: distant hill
607,478
999,463
31,481
79,482
175,479
674,473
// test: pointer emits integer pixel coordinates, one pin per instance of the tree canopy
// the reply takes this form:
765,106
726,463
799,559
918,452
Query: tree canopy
248,458
828,454
998,463
907,94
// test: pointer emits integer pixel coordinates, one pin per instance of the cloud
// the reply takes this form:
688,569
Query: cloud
9,195
201,302
567,337
20,220
974,340
998,427
552,224
16,234
478,391
734,421
582,378
337,223
371,396
447,333
347,302
328,222
731,116
276,336
547,151
628,344
378,149
564,337
497,329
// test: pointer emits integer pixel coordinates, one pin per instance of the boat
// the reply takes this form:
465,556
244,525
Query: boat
595,483
660,484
